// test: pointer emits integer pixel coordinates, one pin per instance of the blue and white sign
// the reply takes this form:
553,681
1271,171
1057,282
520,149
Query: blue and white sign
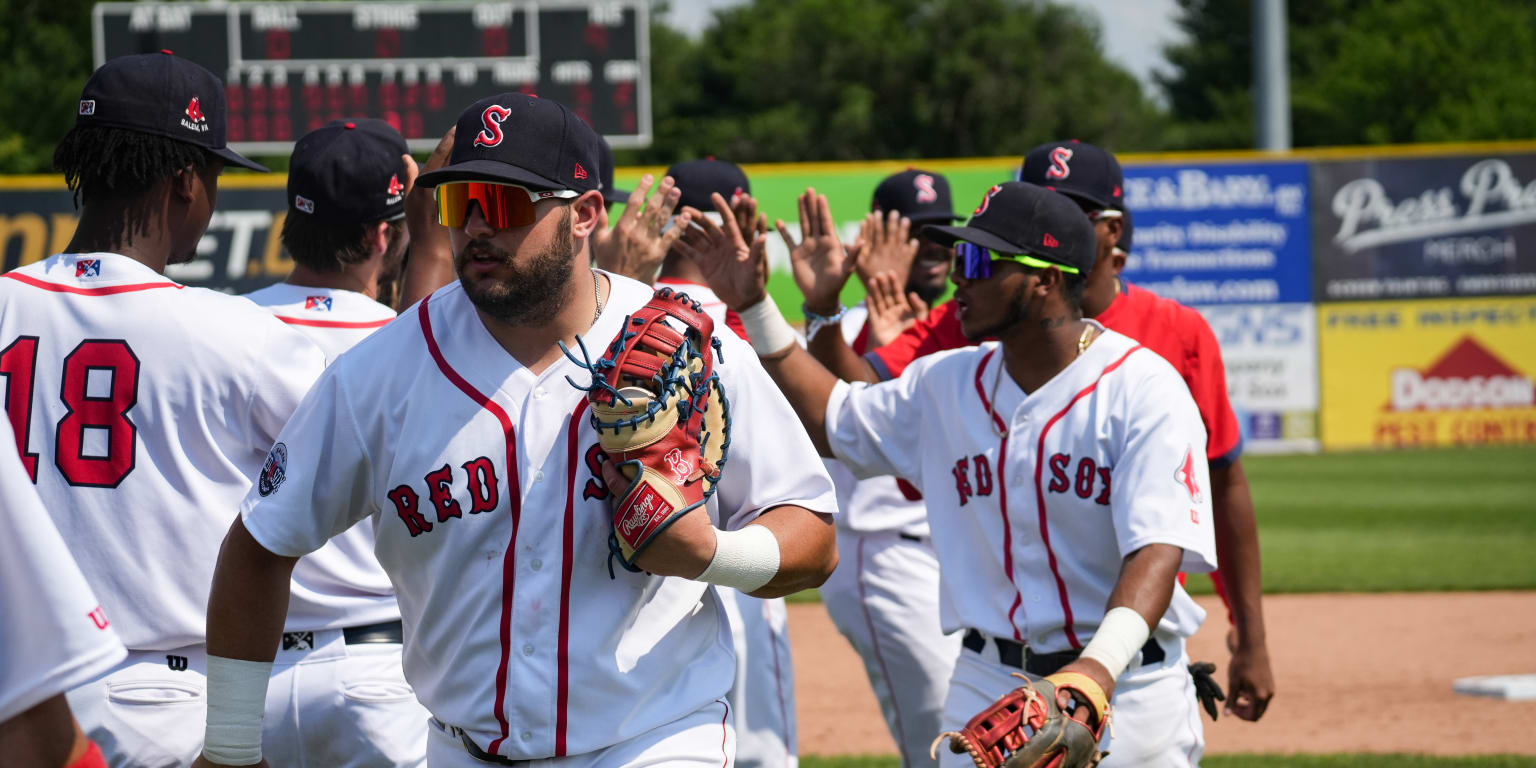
1221,234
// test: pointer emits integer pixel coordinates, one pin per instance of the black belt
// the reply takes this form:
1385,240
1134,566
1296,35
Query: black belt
388,632
1015,654
474,749
913,537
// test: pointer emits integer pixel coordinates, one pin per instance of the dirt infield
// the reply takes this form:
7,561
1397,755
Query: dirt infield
1355,673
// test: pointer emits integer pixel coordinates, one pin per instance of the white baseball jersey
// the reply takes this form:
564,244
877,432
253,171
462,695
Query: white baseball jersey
54,631
341,584
1031,528
483,484
143,410
878,503
334,319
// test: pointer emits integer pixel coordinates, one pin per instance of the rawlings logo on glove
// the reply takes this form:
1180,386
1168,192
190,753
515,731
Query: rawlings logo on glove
661,416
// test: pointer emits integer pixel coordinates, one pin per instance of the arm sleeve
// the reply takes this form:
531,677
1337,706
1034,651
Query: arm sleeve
316,481
54,632
1161,488
771,460
864,421
931,334
1206,377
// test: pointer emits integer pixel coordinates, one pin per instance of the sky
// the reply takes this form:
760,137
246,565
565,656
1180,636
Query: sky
1134,39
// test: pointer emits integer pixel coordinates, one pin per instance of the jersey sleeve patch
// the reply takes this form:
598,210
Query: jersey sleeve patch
274,472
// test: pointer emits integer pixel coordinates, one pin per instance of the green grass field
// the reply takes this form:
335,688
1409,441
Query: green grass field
1457,519
1257,761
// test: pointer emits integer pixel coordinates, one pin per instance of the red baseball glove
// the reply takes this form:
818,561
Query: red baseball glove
1026,728
661,416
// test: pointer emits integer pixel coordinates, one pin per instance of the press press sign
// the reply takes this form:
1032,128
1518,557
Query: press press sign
1427,227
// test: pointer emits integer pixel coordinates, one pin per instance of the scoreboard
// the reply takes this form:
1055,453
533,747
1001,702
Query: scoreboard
291,67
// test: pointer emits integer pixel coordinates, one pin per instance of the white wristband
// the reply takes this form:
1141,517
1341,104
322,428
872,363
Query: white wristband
1120,636
237,699
766,327
745,559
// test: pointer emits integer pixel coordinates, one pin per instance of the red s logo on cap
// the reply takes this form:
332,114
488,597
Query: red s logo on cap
1059,169
491,134
925,191
985,200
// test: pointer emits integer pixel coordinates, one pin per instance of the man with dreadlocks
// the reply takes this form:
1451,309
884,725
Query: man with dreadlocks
143,409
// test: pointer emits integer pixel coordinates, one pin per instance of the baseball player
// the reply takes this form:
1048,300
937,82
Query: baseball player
143,409
457,435
1061,467
884,596
169,398
345,229
1091,177
55,634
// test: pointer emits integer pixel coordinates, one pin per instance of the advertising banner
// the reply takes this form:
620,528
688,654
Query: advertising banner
1220,234
1425,227
1270,352
1428,372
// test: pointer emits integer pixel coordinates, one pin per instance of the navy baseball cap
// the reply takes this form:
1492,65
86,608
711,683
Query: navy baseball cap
162,95
605,173
1079,170
515,138
696,179
922,196
1017,217
349,172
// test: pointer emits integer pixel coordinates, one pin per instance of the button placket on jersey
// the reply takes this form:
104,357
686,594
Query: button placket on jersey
1023,444
532,648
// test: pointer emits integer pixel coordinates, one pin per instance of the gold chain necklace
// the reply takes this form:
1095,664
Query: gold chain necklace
1082,346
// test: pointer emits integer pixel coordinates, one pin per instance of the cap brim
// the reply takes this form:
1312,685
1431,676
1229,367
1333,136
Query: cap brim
232,156
947,236
487,170
616,195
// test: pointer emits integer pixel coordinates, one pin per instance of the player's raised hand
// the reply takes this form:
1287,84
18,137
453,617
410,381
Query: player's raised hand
820,263
891,311
736,270
430,266
887,246
748,220
636,245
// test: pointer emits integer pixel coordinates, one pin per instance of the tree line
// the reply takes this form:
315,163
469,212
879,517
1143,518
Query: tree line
803,80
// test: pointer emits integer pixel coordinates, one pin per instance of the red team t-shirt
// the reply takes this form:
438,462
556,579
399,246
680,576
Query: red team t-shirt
1167,327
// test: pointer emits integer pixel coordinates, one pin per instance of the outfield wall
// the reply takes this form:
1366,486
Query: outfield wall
1371,297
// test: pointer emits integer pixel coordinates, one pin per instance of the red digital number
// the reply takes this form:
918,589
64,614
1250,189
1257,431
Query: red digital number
108,410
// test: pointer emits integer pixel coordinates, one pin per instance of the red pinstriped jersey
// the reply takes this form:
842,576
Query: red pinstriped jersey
144,410
1176,332
482,482
1034,501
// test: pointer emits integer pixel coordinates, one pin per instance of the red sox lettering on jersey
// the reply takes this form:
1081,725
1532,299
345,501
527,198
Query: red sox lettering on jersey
494,507
1091,466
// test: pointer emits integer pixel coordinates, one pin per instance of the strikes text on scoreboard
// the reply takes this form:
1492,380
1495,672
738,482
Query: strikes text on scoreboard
290,67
